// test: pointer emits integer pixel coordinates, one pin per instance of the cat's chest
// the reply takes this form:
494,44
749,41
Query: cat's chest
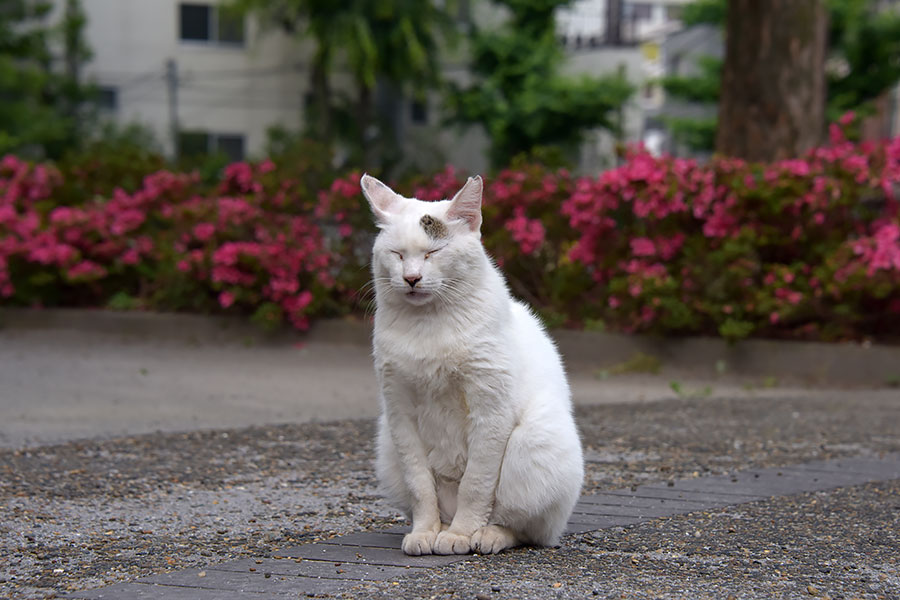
438,406
424,357
441,414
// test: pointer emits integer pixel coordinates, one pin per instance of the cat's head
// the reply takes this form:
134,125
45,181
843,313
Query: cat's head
425,251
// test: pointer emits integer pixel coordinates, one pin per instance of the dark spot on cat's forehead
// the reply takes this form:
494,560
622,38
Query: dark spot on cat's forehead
433,227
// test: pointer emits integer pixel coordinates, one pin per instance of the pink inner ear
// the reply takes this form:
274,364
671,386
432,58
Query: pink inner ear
466,204
380,196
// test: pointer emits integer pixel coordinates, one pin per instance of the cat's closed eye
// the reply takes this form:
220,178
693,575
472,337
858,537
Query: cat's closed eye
397,253
430,253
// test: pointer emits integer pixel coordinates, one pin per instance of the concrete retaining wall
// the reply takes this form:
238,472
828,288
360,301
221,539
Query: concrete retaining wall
845,363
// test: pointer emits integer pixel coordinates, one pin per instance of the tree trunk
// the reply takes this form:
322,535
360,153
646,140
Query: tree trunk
772,104
364,122
318,113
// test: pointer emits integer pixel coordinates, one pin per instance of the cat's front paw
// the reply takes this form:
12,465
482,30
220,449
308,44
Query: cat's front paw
448,542
416,543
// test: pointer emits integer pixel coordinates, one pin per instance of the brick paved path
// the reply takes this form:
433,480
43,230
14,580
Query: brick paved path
339,564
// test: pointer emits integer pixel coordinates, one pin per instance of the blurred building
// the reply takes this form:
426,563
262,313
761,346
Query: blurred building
205,80
189,68
680,54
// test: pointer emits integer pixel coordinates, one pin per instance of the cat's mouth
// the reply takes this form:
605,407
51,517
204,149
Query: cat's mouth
418,296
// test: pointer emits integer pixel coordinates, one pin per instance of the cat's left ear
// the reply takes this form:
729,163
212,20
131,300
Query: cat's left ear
382,199
466,204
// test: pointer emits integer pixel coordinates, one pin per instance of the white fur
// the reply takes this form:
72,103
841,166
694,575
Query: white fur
476,443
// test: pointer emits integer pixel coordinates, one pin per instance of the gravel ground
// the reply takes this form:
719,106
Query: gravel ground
838,545
85,514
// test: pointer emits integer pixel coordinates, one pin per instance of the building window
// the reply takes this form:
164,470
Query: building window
641,11
674,13
231,146
198,143
206,23
108,98
418,112
195,22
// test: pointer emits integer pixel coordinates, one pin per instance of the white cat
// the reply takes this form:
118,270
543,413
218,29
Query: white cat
477,443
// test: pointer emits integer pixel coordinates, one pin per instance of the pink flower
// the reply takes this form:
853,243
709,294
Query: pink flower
720,223
85,270
669,247
226,299
614,302
130,257
642,247
204,231
528,233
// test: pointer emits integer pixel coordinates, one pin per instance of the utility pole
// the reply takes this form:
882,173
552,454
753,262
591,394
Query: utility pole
172,86
614,22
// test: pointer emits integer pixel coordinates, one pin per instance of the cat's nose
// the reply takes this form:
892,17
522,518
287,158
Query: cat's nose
412,280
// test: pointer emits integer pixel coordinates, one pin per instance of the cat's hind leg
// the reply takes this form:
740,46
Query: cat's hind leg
491,539
540,479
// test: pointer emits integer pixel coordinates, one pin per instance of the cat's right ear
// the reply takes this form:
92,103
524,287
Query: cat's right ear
383,200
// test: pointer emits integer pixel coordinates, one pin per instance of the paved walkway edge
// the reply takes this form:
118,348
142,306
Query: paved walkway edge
338,564
810,362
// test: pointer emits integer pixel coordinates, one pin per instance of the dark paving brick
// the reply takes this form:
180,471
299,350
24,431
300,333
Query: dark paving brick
766,485
602,521
641,512
665,491
578,528
246,582
803,480
316,568
371,539
885,468
401,529
373,556
612,500
146,591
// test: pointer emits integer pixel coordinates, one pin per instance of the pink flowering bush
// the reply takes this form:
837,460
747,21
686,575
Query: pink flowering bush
250,245
806,248
801,248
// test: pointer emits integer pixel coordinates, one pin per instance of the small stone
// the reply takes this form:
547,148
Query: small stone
482,597
812,590
495,588
201,574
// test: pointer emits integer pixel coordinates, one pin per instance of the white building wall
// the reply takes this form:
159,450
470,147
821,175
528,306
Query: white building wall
641,20
244,90
222,89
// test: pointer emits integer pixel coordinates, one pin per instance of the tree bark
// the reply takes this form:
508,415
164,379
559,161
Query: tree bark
318,113
772,104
